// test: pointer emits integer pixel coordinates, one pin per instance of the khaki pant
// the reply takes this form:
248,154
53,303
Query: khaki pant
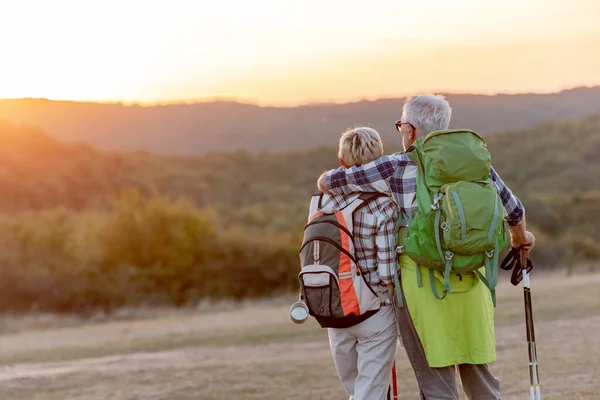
364,354
477,380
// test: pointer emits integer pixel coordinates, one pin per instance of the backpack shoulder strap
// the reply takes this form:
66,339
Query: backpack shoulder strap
424,194
412,154
349,208
359,202
367,198
320,195
370,195
315,203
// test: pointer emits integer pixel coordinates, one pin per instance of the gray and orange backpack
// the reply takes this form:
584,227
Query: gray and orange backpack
332,284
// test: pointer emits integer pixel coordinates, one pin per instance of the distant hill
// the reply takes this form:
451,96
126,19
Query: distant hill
559,160
227,126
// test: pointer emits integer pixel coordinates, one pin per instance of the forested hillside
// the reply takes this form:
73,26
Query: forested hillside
82,229
229,126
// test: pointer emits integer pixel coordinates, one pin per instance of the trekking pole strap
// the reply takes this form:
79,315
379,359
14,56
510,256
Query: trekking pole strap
513,261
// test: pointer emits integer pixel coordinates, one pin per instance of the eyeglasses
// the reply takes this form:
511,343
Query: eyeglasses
400,123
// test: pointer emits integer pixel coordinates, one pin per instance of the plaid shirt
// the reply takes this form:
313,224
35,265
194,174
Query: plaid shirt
397,175
374,235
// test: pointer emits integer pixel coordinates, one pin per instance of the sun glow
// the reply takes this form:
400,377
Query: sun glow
279,52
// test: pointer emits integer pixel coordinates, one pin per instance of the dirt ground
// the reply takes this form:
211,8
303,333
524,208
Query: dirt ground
256,352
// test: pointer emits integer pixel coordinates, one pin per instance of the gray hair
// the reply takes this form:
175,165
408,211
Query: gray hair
427,113
359,146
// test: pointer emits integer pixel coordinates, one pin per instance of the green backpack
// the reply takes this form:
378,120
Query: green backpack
459,225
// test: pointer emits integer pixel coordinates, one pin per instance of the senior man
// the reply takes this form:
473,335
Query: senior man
457,333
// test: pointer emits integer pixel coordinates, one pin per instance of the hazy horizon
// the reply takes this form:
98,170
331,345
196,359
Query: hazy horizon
270,53
293,105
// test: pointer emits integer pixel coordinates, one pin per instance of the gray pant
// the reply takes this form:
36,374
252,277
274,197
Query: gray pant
477,380
364,354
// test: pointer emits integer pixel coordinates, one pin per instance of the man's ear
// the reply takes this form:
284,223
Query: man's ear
413,134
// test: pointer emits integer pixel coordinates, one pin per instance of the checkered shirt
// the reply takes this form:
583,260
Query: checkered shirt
397,175
374,235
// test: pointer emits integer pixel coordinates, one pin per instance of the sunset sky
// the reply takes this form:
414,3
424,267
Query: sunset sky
284,53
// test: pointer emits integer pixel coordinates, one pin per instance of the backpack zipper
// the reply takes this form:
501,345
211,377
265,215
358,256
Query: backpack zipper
323,269
461,215
333,223
360,270
330,241
449,206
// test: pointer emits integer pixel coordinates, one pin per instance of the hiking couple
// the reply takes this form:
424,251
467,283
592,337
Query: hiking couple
441,203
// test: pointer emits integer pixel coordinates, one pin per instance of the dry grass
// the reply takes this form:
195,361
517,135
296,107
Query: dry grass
257,353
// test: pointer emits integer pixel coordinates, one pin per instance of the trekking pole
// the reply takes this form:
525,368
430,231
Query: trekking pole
394,385
534,380
394,381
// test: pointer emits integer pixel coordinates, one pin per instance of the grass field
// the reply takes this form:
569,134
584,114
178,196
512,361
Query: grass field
256,352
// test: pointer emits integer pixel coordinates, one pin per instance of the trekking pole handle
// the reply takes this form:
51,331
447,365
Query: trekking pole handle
523,259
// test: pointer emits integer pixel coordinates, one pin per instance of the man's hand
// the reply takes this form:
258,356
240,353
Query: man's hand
322,183
525,240
521,237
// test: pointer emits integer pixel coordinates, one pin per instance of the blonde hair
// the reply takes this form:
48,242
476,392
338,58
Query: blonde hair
359,146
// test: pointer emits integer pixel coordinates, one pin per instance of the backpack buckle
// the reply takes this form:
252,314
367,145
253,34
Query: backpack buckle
436,202
448,255
400,249
445,227
489,253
